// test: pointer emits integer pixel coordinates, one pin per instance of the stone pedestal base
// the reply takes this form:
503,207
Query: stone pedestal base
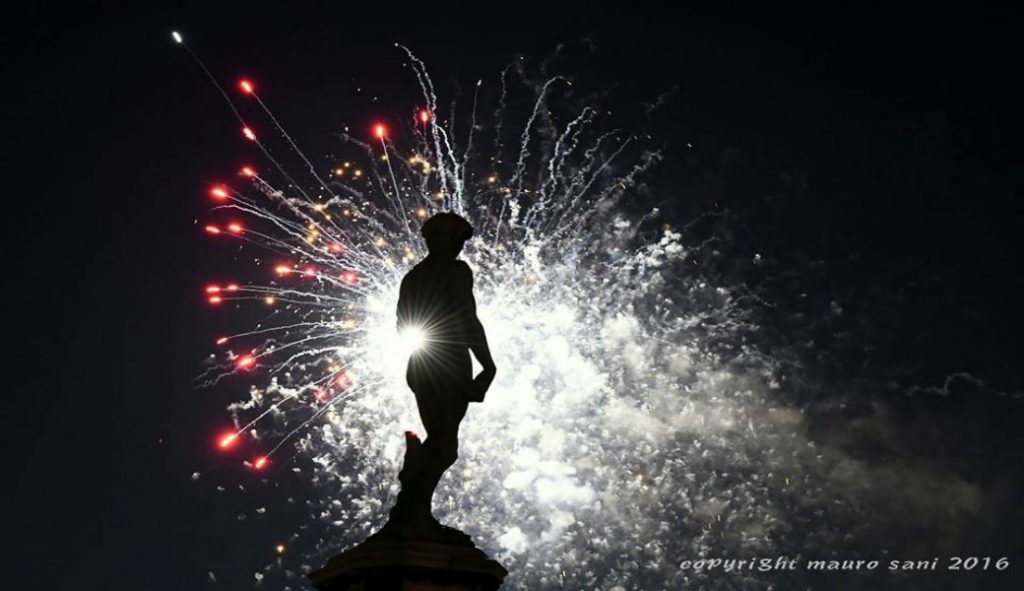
409,565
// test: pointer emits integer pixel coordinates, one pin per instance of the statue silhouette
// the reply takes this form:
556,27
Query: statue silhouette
436,298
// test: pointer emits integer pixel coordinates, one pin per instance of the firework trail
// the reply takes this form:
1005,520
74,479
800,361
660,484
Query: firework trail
633,424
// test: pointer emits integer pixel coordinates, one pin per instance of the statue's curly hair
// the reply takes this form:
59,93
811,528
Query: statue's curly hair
447,225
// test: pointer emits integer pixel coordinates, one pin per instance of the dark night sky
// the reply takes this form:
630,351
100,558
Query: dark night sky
904,121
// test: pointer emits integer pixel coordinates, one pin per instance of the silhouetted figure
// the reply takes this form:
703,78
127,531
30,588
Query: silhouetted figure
436,297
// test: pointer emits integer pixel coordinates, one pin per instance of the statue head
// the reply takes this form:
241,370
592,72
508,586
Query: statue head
446,233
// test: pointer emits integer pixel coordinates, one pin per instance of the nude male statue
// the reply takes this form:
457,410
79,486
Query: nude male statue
436,297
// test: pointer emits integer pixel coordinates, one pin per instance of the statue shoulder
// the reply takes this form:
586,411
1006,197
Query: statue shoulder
462,272
414,272
411,278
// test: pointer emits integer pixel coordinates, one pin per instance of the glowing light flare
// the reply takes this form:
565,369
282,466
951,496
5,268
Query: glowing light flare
350,277
283,269
227,440
221,340
211,229
247,171
260,463
215,300
246,86
412,339
249,134
245,362
424,116
235,228
309,271
212,288
380,131
231,287
177,37
220,192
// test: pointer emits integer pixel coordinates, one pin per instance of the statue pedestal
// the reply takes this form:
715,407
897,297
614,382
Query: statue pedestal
409,565
413,551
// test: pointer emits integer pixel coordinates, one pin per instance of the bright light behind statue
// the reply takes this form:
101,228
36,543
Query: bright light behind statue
412,339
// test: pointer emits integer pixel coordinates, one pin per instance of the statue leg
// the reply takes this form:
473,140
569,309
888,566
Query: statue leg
441,448
442,405
441,411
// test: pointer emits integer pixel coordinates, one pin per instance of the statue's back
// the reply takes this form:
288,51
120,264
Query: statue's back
436,296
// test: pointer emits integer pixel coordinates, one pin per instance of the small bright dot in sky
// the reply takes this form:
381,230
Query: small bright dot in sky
176,36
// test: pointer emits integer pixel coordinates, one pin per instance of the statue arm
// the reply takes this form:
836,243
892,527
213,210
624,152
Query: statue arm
476,337
403,304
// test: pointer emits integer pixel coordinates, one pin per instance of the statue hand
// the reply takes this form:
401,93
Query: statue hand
482,383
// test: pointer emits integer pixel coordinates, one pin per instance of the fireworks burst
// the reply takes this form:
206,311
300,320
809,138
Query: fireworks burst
632,425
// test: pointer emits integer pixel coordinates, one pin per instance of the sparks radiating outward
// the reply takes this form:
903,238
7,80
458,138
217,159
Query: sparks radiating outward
631,425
